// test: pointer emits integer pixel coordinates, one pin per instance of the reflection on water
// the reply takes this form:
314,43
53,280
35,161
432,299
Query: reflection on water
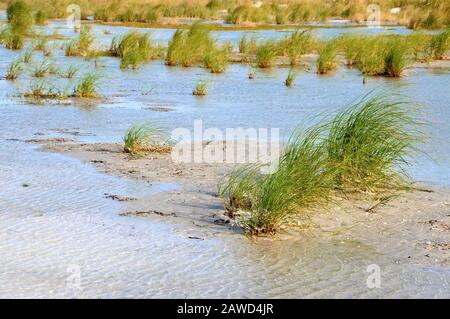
53,212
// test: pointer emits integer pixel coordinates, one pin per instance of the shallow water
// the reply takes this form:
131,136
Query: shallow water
55,219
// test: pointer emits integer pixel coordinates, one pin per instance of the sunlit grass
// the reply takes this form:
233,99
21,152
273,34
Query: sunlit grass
87,86
11,39
71,71
290,79
20,16
369,142
216,59
326,61
134,48
82,45
296,44
439,45
266,54
247,47
363,149
144,138
43,69
27,56
200,89
14,70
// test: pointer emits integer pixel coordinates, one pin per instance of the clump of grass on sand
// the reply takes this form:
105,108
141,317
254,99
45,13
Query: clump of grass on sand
266,54
290,79
398,57
134,48
371,56
362,150
295,45
20,17
82,45
252,73
15,68
27,56
44,69
42,90
144,138
87,86
351,46
326,61
247,48
40,17
71,71
12,40
196,46
200,89
439,45
40,44
263,203
20,21
216,59
369,141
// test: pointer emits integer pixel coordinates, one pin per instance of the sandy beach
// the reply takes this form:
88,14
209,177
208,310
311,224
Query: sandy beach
411,226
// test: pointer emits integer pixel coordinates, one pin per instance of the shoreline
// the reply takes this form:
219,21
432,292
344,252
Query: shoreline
414,224
215,26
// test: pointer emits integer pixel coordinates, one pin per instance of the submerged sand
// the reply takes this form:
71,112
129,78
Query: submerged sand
411,226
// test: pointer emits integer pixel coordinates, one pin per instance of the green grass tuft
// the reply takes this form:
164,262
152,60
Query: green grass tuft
134,48
290,79
20,16
327,57
200,89
87,86
369,141
363,149
266,54
144,138
15,68
27,56
82,45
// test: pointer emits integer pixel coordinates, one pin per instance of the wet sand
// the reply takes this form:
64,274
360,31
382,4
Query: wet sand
411,226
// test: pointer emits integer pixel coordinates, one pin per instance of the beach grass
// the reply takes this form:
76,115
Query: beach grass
370,141
216,59
264,203
363,150
11,39
14,70
20,16
296,44
71,71
27,56
266,53
290,79
144,138
326,61
43,69
439,45
87,86
201,88
134,48
247,47
82,45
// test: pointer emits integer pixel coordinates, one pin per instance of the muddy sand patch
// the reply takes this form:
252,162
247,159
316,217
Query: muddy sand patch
395,225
